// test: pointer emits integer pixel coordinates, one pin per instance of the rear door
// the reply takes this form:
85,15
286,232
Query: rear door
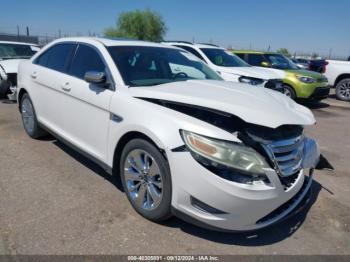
86,106
48,74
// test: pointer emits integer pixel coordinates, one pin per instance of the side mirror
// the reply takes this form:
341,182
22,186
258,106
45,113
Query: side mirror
95,77
265,64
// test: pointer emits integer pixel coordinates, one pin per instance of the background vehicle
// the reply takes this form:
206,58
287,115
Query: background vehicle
338,74
301,62
318,65
184,143
298,83
11,54
231,67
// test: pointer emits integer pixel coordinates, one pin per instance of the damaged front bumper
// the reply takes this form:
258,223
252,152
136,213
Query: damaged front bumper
229,206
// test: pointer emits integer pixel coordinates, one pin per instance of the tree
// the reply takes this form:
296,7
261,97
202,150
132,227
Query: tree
140,24
283,51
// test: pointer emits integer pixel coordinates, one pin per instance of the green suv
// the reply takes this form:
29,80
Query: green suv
298,83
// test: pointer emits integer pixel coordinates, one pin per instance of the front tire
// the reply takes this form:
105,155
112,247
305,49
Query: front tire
29,120
342,90
146,179
289,91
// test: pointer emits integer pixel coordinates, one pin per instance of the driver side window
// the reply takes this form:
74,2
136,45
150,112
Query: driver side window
255,60
86,59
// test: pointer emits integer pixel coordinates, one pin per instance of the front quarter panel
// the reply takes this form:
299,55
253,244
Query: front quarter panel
160,124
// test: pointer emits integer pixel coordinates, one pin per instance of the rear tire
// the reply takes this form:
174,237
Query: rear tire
342,90
29,120
146,179
289,91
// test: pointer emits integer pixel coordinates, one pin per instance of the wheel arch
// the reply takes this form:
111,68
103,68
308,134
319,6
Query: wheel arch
124,139
340,78
293,89
21,92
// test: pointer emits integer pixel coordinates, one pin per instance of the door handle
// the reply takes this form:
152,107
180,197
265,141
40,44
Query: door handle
34,75
65,87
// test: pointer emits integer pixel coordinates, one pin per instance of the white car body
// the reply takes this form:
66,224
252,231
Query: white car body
95,121
231,73
10,66
336,70
338,74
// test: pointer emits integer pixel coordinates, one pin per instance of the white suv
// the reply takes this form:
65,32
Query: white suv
231,67
187,144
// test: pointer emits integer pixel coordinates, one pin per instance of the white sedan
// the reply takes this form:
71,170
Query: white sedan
222,155
11,54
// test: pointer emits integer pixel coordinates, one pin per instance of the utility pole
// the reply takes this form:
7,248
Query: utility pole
59,33
18,32
330,53
27,30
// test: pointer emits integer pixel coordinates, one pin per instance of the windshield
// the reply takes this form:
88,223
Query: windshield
146,65
220,57
281,62
10,51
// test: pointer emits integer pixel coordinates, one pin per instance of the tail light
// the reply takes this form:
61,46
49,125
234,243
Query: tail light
324,67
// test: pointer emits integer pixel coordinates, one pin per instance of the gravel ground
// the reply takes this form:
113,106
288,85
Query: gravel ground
55,201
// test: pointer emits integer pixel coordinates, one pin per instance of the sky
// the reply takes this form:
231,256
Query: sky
321,26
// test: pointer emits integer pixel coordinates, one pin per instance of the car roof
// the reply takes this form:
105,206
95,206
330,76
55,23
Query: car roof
251,52
17,43
110,41
199,45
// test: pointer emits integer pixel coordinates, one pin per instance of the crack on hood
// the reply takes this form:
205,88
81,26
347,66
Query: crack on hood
225,121
229,122
255,105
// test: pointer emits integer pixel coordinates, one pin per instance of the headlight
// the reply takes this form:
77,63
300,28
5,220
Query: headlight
306,79
250,80
229,154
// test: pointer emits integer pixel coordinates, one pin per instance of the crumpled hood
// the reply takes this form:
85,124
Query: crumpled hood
252,104
11,65
254,71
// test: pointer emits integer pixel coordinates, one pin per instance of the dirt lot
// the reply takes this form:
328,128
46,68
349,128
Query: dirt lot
54,201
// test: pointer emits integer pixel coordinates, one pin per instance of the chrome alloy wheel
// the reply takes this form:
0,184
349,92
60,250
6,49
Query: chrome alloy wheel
28,115
344,90
143,179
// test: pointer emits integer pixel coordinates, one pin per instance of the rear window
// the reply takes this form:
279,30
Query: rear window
56,57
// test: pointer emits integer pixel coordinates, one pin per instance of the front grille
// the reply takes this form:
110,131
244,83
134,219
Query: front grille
287,155
321,92
283,147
